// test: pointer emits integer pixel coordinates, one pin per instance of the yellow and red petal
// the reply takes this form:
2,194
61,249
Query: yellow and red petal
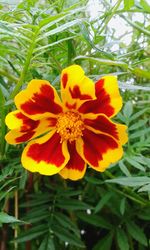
76,88
24,128
45,155
38,100
102,124
15,119
108,100
76,166
98,150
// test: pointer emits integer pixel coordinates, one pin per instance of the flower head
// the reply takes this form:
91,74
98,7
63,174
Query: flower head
67,134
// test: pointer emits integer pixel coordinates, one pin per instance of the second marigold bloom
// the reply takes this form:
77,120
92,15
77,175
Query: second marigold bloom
74,131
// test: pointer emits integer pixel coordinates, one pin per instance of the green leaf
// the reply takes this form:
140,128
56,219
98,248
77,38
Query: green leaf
131,181
137,233
93,180
60,29
122,206
145,188
102,61
105,243
138,125
102,202
124,169
122,239
128,109
32,233
47,243
145,5
6,218
72,204
66,222
94,220
2,98
141,73
128,4
66,236
50,21
138,114
140,133
135,164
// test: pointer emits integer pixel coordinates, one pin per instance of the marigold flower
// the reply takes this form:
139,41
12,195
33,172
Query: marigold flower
69,134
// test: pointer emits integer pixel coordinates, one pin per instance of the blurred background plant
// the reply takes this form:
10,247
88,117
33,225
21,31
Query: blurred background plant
102,211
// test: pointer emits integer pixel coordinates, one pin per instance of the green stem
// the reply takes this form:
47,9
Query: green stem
26,65
136,26
114,9
57,63
133,11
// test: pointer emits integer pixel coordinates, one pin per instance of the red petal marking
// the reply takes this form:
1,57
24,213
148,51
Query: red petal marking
64,80
101,123
52,121
28,124
75,161
28,128
101,104
49,152
95,145
76,93
25,137
42,102
71,106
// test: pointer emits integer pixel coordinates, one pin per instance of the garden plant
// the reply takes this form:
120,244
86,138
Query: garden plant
74,125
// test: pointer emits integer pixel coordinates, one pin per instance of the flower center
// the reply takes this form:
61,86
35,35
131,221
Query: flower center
69,126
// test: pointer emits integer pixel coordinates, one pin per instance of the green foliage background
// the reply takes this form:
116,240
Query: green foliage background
102,211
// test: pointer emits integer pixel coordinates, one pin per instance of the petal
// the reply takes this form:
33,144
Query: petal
45,155
102,124
24,128
38,100
76,167
108,102
98,150
75,87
